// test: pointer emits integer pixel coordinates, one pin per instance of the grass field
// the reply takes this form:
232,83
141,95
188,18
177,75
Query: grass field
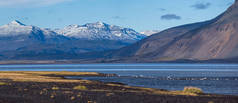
52,87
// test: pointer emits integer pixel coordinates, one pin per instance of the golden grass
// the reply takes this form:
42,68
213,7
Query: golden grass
80,87
61,73
157,91
72,98
194,90
55,88
114,85
3,83
23,76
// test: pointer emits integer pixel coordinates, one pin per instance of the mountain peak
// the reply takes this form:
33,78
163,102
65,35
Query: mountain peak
98,24
16,22
73,26
100,31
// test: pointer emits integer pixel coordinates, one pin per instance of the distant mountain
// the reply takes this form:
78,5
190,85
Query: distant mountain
100,31
213,39
16,28
20,41
216,39
15,35
150,32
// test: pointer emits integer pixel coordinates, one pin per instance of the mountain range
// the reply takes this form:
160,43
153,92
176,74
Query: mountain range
212,40
20,41
215,39
100,31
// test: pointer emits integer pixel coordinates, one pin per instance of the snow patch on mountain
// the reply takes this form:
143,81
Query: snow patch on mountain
149,32
16,28
100,31
89,31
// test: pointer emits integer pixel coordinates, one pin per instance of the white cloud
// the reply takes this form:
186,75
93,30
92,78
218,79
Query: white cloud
28,3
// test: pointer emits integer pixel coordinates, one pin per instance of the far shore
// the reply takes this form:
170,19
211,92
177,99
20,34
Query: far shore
112,61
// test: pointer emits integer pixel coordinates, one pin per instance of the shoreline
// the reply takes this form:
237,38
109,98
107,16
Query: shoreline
52,87
46,62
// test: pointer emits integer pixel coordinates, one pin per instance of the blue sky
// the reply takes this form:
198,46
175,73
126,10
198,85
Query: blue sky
137,14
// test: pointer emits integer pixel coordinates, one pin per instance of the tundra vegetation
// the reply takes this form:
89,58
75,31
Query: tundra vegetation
52,87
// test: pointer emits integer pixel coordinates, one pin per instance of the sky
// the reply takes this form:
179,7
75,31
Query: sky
140,15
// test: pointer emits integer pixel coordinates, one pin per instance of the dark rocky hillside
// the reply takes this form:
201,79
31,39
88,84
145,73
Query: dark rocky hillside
213,39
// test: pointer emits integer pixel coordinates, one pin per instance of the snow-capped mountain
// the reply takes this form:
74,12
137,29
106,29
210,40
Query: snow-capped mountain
149,32
20,41
100,31
16,28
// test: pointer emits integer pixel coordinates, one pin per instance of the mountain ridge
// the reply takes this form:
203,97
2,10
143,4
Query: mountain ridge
100,30
20,41
212,39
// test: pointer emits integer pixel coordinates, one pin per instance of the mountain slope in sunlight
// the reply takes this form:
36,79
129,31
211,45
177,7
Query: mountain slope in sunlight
213,39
